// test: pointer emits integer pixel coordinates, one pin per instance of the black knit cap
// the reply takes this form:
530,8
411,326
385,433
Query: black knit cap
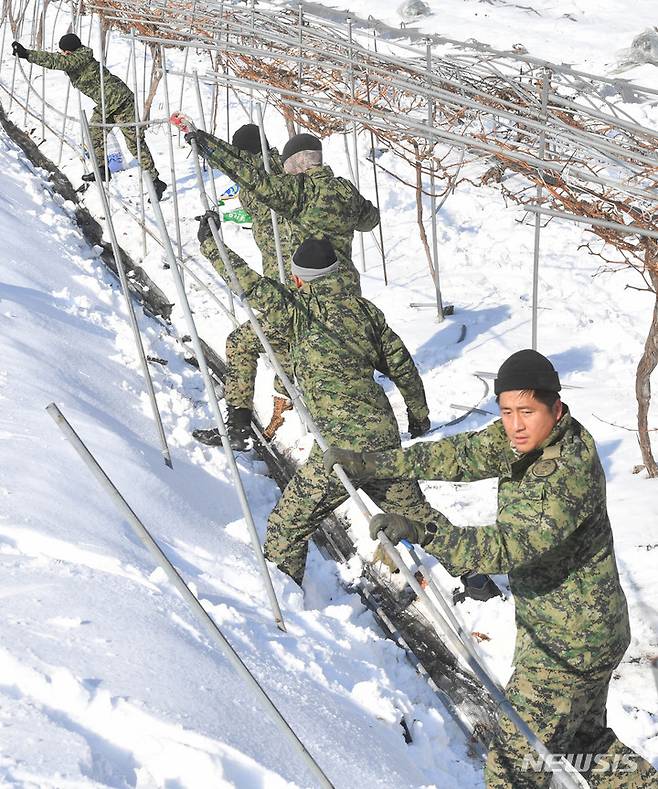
300,142
69,43
316,253
247,138
526,370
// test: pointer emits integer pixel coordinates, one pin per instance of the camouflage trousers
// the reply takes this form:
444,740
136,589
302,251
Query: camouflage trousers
129,135
311,495
567,711
242,350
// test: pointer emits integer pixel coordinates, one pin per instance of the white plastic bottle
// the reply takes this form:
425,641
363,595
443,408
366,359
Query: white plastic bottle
114,152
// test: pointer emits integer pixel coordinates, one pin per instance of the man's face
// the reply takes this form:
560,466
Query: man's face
527,422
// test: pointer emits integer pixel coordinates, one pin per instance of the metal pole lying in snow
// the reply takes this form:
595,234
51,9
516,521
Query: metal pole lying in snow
126,291
214,405
181,587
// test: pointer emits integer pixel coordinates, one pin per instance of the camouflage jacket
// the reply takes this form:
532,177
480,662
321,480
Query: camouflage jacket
338,340
552,535
262,217
315,203
84,72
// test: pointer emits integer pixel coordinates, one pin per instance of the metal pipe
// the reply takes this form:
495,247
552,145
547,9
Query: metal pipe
538,198
126,292
588,220
275,222
182,588
214,405
355,140
376,179
142,211
435,237
101,65
170,146
202,125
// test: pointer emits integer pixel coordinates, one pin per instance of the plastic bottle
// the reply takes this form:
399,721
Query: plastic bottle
114,153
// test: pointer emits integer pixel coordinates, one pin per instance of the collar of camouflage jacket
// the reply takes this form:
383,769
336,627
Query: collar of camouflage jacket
331,285
319,171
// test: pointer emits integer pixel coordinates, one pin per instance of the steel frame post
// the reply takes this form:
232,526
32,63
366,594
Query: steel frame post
202,125
355,140
179,584
137,137
101,67
43,73
435,239
170,145
214,404
29,71
538,198
275,222
376,178
126,292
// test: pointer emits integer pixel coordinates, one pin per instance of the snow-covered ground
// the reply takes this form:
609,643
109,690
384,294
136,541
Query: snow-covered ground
107,680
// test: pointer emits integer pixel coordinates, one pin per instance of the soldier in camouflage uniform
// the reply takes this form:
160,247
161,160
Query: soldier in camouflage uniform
553,537
84,72
242,345
337,341
312,200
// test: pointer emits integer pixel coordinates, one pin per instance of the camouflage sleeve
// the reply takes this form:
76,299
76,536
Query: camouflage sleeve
281,192
537,525
466,457
51,60
398,365
264,294
368,216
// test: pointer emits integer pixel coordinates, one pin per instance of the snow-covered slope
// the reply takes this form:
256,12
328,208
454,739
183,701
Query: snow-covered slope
106,678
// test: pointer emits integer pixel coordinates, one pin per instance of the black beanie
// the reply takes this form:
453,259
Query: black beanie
247,138
69,43
300,142
526,370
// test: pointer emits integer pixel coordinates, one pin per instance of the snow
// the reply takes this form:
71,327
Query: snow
107,678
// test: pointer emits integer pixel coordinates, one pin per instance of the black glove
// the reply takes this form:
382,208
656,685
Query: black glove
191,135
477,586
204,232
416,427
18,49
397,528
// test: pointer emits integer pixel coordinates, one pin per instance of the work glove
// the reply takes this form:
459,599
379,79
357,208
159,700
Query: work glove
354,463
204,232
418,427
397,528
18,49
477,586
184,124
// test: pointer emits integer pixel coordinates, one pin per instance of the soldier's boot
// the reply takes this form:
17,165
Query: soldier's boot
159,187
238,426
105,175
281,405
209,436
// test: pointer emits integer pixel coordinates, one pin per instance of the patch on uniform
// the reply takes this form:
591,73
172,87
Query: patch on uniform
544,468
